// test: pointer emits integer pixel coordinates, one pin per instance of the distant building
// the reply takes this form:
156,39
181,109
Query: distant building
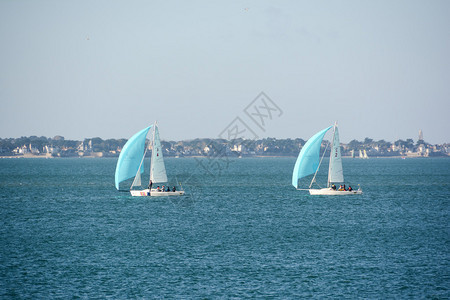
54,151
421,149
21,150
420,135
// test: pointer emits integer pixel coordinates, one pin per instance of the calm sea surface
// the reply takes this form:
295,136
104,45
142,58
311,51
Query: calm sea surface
241,231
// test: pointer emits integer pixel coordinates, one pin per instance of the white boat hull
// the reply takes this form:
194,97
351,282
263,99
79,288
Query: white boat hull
154,193
331,192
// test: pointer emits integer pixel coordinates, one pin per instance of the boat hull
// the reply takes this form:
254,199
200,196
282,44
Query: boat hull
331,192
154,193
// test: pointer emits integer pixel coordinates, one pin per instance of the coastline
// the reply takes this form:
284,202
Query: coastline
197,156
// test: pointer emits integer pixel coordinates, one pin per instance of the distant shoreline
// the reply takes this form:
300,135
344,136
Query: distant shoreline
253,156
211,148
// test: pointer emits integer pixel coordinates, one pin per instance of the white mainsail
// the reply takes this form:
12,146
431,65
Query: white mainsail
335,171
158,169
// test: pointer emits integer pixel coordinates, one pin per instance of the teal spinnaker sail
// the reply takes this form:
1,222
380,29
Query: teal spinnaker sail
131,156
309,158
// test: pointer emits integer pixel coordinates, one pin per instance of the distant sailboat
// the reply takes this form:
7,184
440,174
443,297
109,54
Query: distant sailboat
308,163
365,154
131,160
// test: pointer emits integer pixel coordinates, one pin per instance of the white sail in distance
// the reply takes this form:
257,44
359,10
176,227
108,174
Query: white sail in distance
365,154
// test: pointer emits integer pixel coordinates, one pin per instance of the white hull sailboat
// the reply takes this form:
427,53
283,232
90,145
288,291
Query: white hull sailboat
308,163
131,161
155,193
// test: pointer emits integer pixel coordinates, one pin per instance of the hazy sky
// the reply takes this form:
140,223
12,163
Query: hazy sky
109,68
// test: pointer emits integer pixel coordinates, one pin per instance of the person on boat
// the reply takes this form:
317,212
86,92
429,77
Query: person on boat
163,188
333,186
150,185
174,189
350,188
158,189
344,188
340,188
168,189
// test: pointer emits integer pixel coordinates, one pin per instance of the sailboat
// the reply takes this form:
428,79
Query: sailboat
131,161
309,161
365,154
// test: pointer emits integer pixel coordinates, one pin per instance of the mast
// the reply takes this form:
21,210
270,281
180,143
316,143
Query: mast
153,145
331,155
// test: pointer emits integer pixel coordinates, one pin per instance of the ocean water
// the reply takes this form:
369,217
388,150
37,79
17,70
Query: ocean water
241,231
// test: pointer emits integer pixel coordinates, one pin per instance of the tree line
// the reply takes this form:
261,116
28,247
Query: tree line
266,146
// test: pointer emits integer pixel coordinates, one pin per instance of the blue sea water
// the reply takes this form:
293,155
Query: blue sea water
241,231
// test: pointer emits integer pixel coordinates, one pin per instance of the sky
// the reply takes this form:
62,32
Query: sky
107,69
